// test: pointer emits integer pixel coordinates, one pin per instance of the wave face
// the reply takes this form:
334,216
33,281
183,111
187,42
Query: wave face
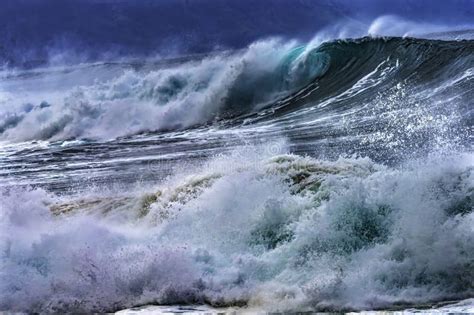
287,177
134,98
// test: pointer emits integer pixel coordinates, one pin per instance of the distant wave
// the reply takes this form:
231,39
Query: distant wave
271,74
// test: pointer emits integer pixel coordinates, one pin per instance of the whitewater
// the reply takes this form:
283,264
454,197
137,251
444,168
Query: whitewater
331,175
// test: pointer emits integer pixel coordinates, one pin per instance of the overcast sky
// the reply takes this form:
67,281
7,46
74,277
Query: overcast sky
31,29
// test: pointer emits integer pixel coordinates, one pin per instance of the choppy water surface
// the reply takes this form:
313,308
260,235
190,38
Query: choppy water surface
285,176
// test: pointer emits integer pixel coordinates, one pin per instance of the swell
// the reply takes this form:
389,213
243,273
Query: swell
265,81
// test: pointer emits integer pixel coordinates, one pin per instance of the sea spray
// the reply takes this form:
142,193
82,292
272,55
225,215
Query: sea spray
281,232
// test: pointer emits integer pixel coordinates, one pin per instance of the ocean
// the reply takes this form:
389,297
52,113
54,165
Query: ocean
287,176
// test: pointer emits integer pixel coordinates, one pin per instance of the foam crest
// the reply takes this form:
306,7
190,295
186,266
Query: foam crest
392,25
171,97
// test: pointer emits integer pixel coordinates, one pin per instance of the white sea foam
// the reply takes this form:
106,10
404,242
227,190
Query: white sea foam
125,102
280,232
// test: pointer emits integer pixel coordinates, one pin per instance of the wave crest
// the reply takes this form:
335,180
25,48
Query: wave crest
224,86
171,97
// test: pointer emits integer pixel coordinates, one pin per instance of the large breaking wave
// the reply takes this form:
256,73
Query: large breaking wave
135,98
173,97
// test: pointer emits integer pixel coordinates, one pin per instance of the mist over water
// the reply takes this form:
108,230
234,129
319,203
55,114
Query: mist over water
281,171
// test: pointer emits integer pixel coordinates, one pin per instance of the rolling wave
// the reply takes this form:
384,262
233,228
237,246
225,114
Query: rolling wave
172,97
268,75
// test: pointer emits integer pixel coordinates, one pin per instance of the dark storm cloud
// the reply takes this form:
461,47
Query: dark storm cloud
32,30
